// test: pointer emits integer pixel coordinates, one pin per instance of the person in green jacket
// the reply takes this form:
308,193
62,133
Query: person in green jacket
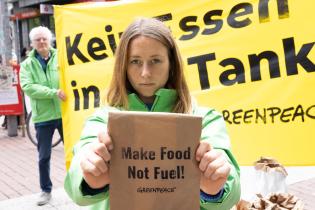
148,76
39,77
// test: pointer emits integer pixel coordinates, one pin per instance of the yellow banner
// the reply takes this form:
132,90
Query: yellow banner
254,61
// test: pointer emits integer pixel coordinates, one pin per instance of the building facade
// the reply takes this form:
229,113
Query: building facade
6,34
27,14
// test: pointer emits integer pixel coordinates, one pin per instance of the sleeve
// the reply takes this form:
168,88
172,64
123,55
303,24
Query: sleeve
74,182
211,198
32,89
214,131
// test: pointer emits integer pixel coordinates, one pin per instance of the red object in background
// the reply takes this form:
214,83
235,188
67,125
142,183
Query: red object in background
14,109
25,15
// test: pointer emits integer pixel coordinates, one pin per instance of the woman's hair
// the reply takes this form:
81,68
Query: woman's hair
120,86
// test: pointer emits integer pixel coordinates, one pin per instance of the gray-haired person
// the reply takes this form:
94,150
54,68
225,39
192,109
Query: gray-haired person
39,78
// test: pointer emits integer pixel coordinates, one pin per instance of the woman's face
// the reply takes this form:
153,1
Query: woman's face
148,67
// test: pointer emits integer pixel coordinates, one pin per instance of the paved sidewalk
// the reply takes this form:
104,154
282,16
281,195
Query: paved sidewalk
18,166
59,201
19,182
306,191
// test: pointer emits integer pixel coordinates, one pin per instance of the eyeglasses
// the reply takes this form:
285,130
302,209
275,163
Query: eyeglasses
39,39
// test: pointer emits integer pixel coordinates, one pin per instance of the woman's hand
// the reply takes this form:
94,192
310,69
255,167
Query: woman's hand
94,163
214,168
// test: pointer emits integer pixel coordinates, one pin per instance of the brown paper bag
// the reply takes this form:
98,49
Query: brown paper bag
153,164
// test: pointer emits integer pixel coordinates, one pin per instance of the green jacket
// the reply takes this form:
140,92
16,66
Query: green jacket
40,87
213,130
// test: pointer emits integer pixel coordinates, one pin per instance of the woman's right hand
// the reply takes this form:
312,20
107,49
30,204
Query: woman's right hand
94,163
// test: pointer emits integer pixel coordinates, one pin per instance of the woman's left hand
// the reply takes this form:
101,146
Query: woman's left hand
214,168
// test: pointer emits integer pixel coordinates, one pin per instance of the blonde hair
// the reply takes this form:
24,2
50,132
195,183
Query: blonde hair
117,95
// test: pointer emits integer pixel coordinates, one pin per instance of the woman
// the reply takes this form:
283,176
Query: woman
148,76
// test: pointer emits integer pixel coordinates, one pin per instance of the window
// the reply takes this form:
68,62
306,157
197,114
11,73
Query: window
33,22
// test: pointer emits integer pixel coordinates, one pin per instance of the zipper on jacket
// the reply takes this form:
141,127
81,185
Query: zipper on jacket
48,82
155,102
141,102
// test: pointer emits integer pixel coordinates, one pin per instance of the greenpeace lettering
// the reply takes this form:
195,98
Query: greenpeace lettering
156,189
270,115
237,73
